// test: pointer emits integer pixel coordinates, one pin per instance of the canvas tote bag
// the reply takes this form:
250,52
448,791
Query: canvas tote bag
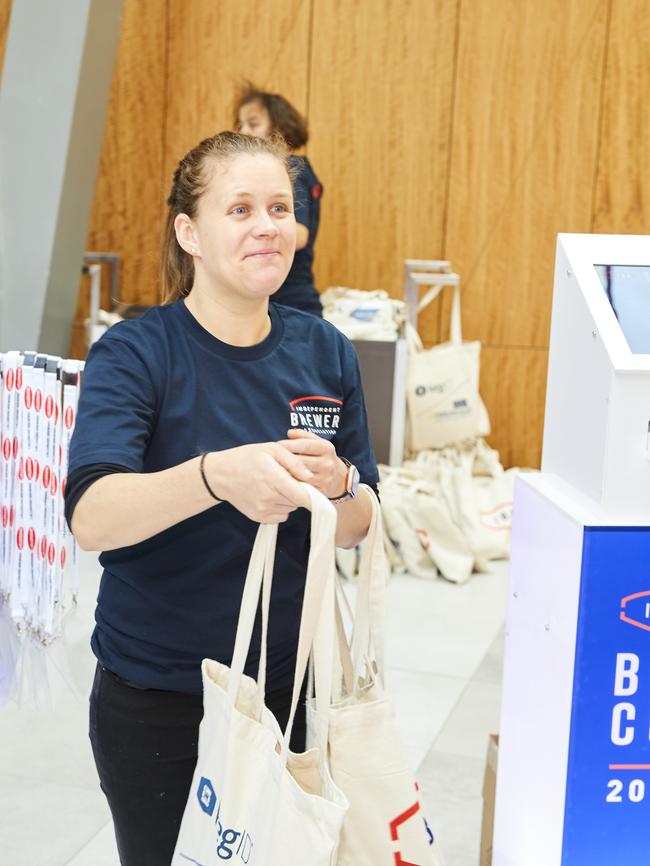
253,801
442,394
385,824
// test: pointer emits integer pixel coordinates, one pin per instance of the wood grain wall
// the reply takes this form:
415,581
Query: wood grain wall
5,13
474,130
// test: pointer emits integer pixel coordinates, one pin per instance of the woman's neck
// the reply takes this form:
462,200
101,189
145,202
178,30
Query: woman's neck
233,321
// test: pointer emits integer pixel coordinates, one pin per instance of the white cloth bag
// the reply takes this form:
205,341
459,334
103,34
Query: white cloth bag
385,824
253,801
364,315
442,393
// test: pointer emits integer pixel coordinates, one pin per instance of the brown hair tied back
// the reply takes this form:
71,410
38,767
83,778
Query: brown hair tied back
190,182
291,125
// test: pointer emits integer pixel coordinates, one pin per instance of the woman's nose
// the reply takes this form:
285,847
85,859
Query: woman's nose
264,224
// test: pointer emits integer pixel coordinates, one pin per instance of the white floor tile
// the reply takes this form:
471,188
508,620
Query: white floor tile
441,628
422,703
474,718
100,851
45,824
48,744
451,788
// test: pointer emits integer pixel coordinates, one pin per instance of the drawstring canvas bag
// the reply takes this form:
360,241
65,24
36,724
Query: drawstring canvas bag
252,800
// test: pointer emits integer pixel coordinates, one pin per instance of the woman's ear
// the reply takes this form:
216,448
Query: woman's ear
185,234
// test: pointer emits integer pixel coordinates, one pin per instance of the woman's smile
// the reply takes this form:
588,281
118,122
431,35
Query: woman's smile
262,254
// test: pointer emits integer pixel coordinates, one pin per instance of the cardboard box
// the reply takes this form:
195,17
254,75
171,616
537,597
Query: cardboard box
489,796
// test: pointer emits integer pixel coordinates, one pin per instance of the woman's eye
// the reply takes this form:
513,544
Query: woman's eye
280,208
239,210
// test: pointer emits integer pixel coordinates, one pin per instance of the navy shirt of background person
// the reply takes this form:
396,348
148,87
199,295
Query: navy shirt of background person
298,290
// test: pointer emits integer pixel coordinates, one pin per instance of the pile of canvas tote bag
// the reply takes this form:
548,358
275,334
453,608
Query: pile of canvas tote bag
254,801
363,315
448,511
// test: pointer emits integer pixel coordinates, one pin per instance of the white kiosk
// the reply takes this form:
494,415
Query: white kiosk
573,783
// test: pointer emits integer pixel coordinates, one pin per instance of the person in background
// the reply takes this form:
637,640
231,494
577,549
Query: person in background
262,114
195,424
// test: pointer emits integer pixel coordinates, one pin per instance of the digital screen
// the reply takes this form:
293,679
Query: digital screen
628,290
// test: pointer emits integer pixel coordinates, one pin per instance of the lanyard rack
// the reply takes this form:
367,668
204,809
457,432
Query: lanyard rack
38,554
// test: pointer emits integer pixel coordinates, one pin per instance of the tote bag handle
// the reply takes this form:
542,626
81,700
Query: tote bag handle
317,625
369,615
455,327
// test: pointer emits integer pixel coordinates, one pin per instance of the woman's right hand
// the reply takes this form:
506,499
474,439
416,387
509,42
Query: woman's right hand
260,480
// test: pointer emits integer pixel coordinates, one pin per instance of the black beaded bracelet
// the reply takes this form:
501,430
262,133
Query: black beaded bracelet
205,480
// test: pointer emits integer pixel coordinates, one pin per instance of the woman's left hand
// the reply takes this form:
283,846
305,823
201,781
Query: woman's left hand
319,455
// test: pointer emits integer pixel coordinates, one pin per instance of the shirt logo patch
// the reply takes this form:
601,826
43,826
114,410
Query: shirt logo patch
316,190
320,415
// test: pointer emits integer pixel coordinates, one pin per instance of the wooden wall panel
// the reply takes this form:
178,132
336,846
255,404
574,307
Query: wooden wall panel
513,386
523,157
622,203
213,47
380,104
5,13
128,204
440,128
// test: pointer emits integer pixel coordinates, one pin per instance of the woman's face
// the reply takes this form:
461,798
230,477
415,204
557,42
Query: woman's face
245,230
255,120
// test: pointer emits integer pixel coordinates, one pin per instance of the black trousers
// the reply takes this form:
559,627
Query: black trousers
145,746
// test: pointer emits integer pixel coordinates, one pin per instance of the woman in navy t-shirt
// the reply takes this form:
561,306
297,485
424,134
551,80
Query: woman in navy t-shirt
262,114
195,424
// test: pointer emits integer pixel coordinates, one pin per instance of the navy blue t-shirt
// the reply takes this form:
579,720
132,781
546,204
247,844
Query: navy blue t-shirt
298,289
160,390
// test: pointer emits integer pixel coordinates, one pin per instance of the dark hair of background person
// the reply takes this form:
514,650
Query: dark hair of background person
190,181
291,125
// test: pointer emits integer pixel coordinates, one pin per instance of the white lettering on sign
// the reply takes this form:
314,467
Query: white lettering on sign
622,713
626,681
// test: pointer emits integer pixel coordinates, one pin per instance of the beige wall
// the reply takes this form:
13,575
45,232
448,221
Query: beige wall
474,130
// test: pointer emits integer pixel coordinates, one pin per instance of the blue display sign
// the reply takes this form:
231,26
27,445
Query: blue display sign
607,809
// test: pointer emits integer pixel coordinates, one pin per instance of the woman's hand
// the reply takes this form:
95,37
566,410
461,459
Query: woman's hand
329,474
260,480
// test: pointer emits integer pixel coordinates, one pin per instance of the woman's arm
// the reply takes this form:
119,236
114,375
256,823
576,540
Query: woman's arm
353,520
122,509
302,236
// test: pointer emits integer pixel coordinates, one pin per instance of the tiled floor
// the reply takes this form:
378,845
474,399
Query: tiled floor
444,653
